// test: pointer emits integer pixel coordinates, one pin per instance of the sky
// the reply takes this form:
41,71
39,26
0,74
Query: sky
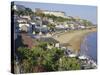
82,11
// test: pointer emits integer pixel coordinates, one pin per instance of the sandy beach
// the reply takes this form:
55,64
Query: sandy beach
74,38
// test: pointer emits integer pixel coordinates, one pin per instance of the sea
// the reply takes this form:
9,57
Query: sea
89,46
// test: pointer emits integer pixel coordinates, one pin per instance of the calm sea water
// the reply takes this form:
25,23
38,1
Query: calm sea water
89,46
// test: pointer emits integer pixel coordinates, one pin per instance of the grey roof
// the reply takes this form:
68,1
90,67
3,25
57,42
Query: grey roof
49,40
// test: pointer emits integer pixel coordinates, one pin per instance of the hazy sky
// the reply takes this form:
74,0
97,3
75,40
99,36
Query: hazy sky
83,11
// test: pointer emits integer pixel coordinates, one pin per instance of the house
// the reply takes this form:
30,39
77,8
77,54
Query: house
21,20
38,27
43,29
72,26
50,12
24,28
66,26
51,42
81,27
38,21
45,21
60,26
32,26
50,20
23,24
26,17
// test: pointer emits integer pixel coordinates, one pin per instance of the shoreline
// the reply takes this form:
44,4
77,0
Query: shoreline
74,38
89,43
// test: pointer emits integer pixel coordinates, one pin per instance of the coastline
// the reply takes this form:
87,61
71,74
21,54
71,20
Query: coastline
74,38
90,45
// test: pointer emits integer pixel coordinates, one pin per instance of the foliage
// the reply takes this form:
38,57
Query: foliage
35,59
51,27
27,11
68,64
87,23
43,45
40,14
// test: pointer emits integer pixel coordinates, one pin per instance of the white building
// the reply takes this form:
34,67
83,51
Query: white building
81,27
24,27
66,26
22,24
22,21
60,26
55,13
72,26
26,17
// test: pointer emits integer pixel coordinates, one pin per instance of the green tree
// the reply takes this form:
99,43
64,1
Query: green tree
40,59
51,26
43,45
65,63
87,23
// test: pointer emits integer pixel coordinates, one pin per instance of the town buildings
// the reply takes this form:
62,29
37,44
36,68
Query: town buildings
50,12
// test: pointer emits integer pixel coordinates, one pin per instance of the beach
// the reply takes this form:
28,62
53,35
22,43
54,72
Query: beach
74,38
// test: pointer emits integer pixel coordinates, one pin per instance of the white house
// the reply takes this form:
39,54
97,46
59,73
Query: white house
22,24
21,21
60,26
44,26
24,27
66,26
81,27
72,26
26,17
50,20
